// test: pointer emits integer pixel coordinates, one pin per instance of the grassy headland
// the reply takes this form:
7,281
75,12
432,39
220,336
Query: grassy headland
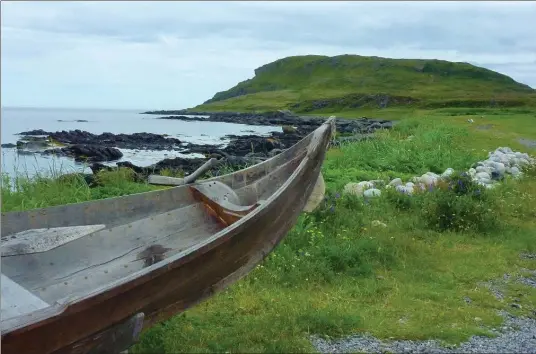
347,82
388,266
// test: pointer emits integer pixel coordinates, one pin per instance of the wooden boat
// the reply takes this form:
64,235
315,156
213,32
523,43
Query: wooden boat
87,277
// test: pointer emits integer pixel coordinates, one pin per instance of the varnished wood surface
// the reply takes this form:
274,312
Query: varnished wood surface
186,277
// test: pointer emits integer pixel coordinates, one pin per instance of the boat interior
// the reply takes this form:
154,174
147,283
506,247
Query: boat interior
51,255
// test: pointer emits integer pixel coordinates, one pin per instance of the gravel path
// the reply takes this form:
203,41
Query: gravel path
516,335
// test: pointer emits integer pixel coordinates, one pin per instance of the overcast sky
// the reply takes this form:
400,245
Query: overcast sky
164,55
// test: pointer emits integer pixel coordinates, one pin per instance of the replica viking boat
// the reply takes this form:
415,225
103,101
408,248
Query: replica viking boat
88,277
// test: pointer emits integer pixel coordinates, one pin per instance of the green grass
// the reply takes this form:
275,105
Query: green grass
315,83
23,193
338,273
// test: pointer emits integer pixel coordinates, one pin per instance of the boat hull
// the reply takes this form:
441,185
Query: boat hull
185,280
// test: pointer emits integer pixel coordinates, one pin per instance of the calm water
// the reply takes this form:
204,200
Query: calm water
16,120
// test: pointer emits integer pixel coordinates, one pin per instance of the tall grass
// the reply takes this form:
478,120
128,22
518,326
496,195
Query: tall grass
23,192
412,148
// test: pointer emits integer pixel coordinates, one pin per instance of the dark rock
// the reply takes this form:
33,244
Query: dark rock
88,153
144,141
304,124
33,143
9,146
97,167
76,120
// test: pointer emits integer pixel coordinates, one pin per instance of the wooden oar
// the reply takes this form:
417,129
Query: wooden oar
174,181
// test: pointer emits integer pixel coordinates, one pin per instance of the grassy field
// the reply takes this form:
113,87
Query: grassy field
347,82
339,271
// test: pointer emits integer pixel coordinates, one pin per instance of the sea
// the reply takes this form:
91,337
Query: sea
16,120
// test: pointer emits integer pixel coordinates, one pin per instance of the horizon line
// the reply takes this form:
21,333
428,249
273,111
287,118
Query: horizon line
82,108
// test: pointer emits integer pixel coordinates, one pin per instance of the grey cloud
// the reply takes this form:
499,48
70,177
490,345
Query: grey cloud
209,46
470,28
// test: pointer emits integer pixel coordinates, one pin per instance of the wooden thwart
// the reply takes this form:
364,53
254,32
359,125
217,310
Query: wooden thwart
41,240
174,181
16,300
221,201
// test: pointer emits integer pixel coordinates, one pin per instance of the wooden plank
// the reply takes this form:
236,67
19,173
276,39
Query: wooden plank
110,211
113,340
85,281
264,187
165,180
41,240
16,300
42,269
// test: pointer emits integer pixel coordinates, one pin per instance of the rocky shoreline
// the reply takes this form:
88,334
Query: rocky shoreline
287,119
242,150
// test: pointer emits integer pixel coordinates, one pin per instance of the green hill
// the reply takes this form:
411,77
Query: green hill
315,83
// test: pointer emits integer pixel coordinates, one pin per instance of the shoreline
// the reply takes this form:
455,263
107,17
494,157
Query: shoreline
99,151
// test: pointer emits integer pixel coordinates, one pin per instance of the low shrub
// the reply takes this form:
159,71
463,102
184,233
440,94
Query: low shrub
463,206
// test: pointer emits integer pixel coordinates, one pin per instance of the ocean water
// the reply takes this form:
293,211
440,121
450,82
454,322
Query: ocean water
16,120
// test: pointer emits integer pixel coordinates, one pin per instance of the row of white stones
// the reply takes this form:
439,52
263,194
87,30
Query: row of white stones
503,161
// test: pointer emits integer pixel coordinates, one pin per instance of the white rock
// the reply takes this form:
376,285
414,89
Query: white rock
353,188
495,158
428,180
410,184
523,161
520,155
510,155
514,171
357,189
373,192
448,172
376,223
396,182
483,169
404,189
482,175
472,172
498,169
483,181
